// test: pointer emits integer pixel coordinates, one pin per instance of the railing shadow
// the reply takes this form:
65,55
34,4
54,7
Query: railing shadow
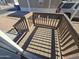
29,39
19,36
52,49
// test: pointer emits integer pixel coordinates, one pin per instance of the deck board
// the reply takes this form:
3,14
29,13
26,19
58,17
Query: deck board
76,25
38,45
43,42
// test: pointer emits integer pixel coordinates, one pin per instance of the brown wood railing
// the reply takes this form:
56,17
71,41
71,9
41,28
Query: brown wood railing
21,26
46,19
69,39
29,20
24,23
67,36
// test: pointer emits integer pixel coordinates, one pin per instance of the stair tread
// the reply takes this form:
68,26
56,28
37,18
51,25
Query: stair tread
41,42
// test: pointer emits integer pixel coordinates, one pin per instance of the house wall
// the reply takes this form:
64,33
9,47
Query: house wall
39,5
23,3
55,3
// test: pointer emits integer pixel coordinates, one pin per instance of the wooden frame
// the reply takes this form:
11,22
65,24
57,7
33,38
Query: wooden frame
67,35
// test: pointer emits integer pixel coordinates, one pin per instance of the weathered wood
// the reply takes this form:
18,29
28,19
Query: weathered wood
20,26
67,36
29,19
46,19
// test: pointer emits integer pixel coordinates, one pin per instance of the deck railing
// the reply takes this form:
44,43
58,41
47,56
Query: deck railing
24,24
69,39
46,20
21,26
67,36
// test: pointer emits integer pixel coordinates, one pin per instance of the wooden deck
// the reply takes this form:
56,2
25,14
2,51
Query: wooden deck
54,36
41,43
48,36
6,23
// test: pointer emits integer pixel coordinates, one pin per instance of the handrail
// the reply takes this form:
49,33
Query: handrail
46,19
68,37
69,22
65,29
73,29
23,24
29,19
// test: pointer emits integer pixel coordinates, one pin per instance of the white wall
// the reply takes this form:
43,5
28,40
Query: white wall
39,10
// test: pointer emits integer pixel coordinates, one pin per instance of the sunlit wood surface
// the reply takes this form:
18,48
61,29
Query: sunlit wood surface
76,25
6,23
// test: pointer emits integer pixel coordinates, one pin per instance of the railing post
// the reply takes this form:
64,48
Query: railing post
27,16
60,19
33,19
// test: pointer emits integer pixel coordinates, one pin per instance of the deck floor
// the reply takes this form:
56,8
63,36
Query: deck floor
42,43
6,22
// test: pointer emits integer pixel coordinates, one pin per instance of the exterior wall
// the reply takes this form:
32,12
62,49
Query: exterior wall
23,3
38,4
45,6
55,3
